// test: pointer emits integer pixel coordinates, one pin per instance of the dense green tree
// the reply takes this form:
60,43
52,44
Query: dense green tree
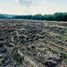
53,17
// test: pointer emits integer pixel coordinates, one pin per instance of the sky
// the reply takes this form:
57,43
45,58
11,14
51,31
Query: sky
24,7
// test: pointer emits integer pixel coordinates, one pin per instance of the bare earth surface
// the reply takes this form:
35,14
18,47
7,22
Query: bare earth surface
29,43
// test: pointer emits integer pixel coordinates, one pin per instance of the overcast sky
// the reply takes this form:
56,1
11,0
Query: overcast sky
32,6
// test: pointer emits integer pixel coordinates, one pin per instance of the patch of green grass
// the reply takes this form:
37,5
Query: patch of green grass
64,55
64,36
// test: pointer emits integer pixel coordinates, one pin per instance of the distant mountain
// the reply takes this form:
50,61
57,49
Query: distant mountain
6,16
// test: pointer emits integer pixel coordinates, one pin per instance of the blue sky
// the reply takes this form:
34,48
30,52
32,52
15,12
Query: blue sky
32,6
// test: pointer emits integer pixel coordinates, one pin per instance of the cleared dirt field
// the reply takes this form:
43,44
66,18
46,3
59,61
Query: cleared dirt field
33,43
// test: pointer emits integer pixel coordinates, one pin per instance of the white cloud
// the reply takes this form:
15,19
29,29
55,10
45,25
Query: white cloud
17,1
32,6
25,2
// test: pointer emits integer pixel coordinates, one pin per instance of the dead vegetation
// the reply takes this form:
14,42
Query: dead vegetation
32,44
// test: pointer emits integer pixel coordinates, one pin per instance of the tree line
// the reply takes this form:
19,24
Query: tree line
48,17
